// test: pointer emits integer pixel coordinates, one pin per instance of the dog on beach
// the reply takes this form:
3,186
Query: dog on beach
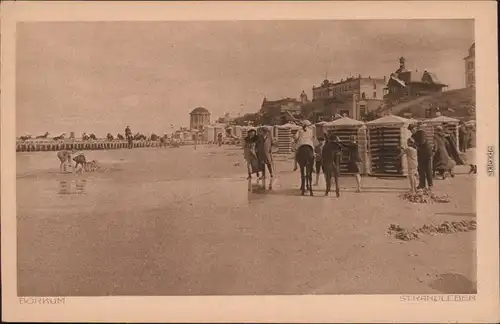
91,166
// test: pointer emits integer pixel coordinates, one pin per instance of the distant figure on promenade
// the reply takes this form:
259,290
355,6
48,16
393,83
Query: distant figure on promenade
163,140
250,153
412,162
264,144
463,137
219,139
330,159
318,152
424,157
129,137
195,139
442,161
64,157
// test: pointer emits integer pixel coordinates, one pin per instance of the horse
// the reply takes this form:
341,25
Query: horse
60,137
25,138
44,135
305,159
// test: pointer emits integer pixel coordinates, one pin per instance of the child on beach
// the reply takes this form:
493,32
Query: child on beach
411,156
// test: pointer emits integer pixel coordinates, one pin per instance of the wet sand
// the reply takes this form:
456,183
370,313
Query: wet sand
181,222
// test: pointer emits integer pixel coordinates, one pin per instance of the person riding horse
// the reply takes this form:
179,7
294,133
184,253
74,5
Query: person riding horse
304,136
304,155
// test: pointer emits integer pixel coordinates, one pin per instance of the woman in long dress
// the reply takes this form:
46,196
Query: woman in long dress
250,153
442,162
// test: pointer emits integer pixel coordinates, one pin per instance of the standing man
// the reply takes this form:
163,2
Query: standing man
424,157
128,136
264,146
219,139
330,159
463,137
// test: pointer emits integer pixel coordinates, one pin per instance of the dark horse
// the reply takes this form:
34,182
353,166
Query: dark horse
305,159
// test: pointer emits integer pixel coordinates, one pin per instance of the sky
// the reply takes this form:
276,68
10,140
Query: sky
99,77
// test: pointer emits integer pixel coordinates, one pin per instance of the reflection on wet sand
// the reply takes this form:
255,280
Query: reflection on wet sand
66,185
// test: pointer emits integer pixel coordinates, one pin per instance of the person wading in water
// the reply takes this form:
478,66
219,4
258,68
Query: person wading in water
264,146
250,153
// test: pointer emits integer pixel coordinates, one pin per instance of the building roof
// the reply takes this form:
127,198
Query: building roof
395,78
443,119
345,121
417,77
390,120
472,51
279,101
199,111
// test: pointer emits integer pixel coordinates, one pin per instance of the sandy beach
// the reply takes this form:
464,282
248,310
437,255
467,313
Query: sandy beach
180,221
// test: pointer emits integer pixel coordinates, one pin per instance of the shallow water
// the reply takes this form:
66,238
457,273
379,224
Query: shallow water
129,179
181,222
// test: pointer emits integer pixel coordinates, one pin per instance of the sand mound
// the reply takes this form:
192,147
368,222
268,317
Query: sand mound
425,197
444,228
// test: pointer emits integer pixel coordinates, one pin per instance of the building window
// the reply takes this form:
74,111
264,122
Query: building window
470,65
362,110
374,95
374,85
363,96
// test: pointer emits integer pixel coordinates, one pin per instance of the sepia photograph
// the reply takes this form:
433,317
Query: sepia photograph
232,157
